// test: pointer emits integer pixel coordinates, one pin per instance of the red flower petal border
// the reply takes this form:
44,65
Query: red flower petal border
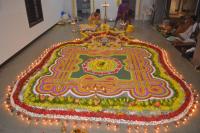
185,108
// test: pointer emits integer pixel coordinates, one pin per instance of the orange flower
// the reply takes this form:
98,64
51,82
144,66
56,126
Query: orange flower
157,104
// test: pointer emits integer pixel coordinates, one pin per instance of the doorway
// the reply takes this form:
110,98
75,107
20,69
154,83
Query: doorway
183,7
83,8
132,4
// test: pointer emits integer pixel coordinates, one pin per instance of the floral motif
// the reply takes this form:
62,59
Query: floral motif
102,66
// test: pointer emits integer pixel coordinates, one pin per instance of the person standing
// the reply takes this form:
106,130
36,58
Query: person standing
123,12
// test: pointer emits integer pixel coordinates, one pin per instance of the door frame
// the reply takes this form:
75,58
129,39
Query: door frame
75,10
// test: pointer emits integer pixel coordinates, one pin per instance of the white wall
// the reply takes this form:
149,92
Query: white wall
142,7
68,6
14,28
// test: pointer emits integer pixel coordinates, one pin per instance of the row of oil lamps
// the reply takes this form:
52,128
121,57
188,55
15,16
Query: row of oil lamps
89,124
109,126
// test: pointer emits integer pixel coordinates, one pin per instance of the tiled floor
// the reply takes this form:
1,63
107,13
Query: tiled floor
143,31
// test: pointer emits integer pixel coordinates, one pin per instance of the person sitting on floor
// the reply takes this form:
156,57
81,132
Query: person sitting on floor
166,27
193,54
183,25
95,17
191,49
173,28
186,37
196,55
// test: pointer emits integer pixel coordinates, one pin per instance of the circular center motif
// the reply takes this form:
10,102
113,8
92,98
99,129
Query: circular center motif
102,66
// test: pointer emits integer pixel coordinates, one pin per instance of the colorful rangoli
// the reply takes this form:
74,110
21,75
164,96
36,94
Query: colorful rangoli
104,77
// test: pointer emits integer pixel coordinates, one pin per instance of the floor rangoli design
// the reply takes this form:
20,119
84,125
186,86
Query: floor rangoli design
104,78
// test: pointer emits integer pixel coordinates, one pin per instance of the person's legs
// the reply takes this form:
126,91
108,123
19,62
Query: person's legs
127,20
183,47
177,42
116,20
